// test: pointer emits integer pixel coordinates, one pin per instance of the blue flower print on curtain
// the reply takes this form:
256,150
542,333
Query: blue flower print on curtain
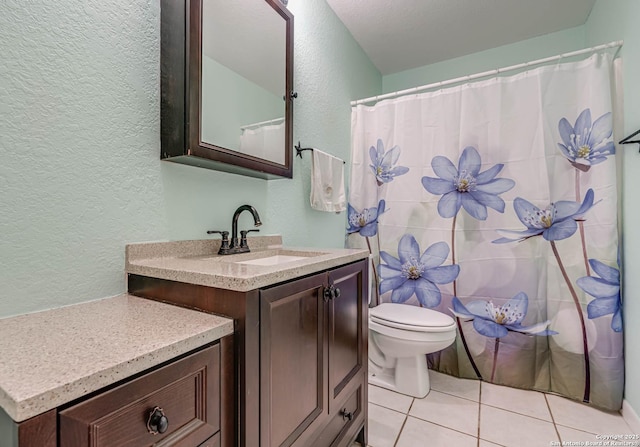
606,291
585,144
467,187
383,163
555,222
412,273
365,222
497,321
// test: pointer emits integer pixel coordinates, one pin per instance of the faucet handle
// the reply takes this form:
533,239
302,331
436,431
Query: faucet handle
225,237
243,237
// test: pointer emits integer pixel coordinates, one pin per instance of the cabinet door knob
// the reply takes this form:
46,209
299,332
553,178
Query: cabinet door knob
158,422
346,415
330,293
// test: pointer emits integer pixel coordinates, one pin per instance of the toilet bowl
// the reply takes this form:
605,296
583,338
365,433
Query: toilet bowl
400,336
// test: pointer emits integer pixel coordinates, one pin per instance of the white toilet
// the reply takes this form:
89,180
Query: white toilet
400,336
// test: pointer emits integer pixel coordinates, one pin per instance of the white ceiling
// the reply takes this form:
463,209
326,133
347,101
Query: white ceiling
401,34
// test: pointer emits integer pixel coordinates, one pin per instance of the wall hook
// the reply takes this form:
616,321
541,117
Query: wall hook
299,149
628,141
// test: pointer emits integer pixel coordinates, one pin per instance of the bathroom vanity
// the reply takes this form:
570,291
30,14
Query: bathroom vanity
121,371
300,335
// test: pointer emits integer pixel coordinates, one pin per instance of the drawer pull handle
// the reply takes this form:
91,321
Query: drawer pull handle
346,415
158,422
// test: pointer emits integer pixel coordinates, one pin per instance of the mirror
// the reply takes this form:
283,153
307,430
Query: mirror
250,82
230,106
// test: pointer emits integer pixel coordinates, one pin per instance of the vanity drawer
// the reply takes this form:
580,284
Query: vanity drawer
187,391
350,412
213,441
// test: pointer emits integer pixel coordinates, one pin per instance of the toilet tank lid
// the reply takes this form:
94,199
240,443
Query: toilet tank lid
410,315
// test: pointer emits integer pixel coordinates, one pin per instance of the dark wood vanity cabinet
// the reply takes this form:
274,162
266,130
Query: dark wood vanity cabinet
194,393
183,397
293,392
302,354
311,348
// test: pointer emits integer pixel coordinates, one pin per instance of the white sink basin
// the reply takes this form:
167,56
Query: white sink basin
272,260
267,258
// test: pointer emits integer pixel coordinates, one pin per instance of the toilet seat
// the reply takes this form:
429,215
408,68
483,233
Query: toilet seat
411,318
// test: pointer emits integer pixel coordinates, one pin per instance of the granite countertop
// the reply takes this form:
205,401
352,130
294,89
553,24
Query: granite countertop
197,262
52,357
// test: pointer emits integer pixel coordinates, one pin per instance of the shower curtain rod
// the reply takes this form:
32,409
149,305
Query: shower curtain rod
262,123
484,74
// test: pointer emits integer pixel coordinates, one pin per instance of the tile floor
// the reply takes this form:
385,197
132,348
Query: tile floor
468,413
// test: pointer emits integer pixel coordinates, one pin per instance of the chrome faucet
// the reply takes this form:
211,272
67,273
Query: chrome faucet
235,247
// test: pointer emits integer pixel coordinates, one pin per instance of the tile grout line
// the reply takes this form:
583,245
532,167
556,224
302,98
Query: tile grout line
435,423
521,414
406,418
479,412
553,420
388,408
479,415
440,425
407,415
454,395
413,399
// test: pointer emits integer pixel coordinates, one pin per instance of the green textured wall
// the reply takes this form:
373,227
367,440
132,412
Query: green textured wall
330,71
79,135
519,52
80,174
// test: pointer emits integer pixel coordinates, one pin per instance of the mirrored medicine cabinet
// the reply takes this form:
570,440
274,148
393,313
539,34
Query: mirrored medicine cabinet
227,85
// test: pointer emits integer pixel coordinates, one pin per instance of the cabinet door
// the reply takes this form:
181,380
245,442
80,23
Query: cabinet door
292,361
347,326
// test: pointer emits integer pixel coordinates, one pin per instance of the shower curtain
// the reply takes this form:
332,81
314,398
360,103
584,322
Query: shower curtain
496,203
264,141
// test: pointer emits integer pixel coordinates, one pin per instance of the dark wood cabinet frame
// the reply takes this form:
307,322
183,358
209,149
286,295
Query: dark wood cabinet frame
181,93
343,388
43,430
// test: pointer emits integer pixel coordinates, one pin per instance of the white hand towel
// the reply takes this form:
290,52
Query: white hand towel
327,182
